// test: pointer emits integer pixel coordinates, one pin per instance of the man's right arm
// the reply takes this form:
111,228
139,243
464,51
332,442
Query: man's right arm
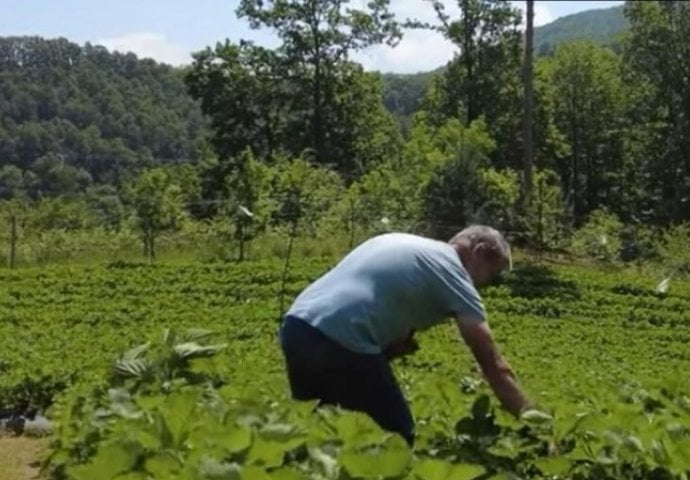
495,368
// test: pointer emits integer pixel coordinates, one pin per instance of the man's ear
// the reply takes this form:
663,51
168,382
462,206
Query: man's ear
482,250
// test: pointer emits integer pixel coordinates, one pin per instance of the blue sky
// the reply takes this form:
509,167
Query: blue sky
168,30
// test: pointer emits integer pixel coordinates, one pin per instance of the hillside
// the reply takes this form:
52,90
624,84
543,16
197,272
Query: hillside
601,26
74,115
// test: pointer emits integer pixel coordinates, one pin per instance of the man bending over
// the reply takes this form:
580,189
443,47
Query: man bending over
342,330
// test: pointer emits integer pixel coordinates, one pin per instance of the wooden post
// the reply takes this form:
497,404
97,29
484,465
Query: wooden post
13,240
528,79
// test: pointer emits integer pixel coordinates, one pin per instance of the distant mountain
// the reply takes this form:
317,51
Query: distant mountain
403,93
81,113
601,26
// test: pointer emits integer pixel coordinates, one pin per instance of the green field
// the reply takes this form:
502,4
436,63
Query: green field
600,352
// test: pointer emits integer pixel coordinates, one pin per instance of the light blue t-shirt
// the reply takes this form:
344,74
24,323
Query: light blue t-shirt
387,286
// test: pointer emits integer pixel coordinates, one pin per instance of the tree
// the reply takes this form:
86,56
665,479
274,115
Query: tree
158,203
453,194
303,192
249,203
11,182
657,47
107,207
55,177
245,90
483,78
528,76
256,101
589,111
317,36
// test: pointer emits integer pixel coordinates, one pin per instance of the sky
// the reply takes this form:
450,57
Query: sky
169,30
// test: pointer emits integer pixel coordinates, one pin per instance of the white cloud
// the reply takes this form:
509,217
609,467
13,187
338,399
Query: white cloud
418,51
542,14
422,50
149,45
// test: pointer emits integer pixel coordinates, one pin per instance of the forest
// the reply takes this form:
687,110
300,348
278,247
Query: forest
249,144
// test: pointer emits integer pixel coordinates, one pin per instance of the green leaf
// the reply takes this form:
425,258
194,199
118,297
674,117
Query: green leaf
678,458
211,469
287,473
250,472
179,409
388,460
162,465
132,476
325,460
553,466
236,439
121,404
434,469
136,352
536,417
147,439
358,429
132,368
149,402
194,350
111,460
270,453
195,334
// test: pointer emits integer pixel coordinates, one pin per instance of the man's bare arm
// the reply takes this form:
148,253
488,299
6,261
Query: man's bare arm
495,368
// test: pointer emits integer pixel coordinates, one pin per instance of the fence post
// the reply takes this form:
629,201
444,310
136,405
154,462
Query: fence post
13,239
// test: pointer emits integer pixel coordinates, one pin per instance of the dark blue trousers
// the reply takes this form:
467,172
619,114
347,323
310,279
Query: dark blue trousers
320,369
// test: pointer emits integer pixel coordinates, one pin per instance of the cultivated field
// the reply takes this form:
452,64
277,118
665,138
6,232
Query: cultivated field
605,358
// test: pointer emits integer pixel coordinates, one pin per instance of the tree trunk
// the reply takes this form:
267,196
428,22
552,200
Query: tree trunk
240,226
145,241
528,116
152,246
317,117
468,43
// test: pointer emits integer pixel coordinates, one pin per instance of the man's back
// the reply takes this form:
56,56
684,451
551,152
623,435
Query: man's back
386,287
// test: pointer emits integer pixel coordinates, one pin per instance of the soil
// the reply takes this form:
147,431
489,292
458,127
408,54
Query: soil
19,457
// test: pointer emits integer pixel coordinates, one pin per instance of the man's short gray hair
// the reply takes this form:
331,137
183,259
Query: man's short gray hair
481,233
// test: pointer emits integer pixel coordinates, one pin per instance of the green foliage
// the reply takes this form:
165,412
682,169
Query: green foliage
303,192
75,114
484,79
158,203
589,112
544,224
453,194
403,94
673,247
501,189
599,237
249,202
182,406
241,89
656,49
305,95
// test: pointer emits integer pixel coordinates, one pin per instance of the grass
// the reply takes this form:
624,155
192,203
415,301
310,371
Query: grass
19,456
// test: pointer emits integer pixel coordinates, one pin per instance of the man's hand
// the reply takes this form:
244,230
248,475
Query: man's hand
496,370
405,346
